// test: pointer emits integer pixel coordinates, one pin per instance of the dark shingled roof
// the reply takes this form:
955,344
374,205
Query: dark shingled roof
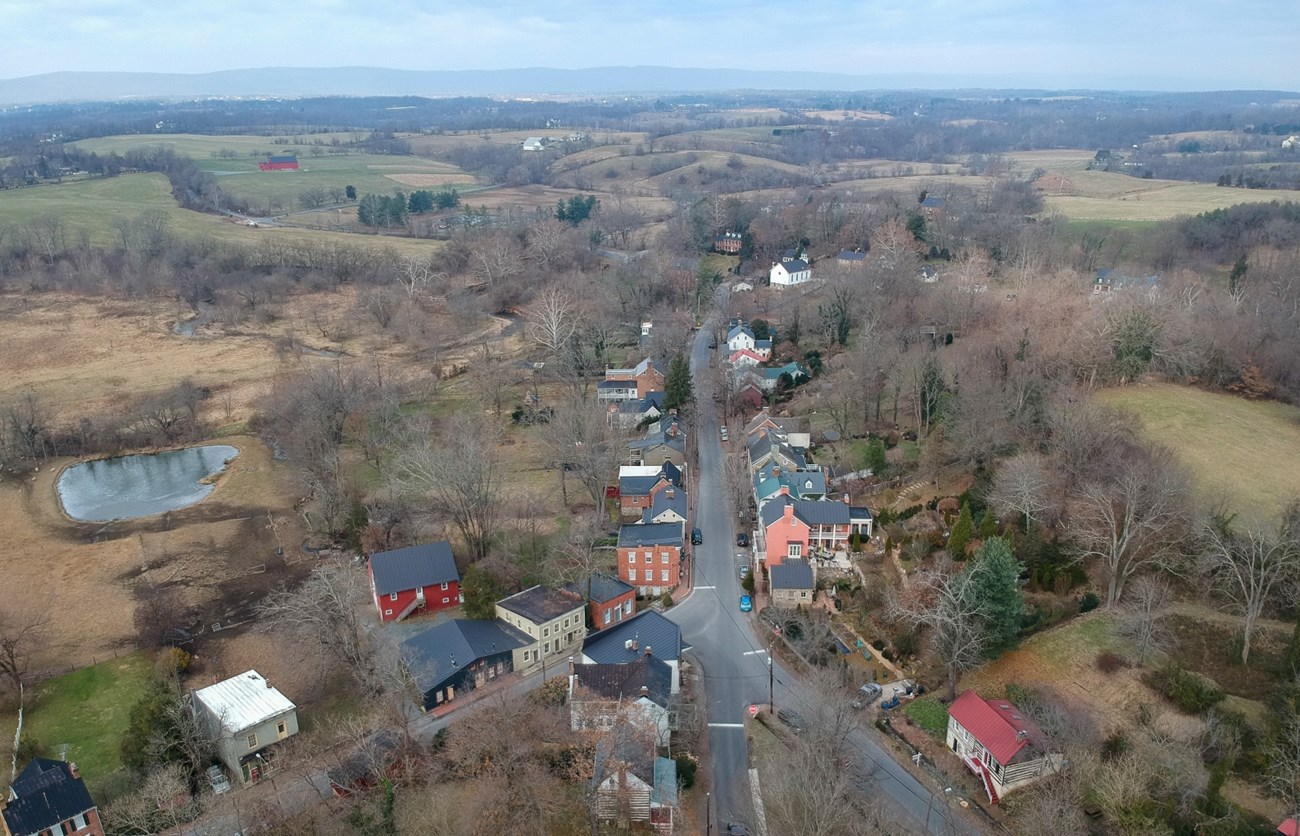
647,628
402,569
377,751
652,534
540,605
791,574
46,794
603,588
615,681
638,485
813,512
429,655
669,499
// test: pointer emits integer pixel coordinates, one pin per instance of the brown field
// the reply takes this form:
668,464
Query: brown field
426,180
847,115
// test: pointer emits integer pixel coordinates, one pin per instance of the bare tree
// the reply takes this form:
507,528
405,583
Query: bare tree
950,606
22,633
496,258
1136,521
326,609
1144,619
580,439
27,424
460,469
160,804
553,320
417,276
1284,764
1023,486
1249,567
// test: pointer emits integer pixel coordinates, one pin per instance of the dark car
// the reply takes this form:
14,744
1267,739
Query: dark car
696,537
736,829
742,539
793,719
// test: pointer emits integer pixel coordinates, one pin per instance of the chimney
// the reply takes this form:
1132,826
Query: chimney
76,773
268,682
627,645
570,666
645,690
776,471
647,651
635,645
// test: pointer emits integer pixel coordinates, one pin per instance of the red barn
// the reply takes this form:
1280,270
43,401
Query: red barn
285,163
419,577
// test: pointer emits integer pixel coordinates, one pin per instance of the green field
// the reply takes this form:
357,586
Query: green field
87,711
1248,450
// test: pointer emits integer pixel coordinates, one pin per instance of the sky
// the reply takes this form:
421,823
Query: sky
1176,45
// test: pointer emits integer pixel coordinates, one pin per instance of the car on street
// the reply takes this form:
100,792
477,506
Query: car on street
697,537
793,719
736,829
742,539
724,434
744,571
746,604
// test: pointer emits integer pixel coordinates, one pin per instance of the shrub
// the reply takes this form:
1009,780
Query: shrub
1114,746
1108,663
1089,602
686,766
667,600
907,644
1189,691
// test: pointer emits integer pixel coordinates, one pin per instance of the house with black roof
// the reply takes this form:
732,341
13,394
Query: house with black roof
457,656
652,556
420,577
49,797
791,583
640,691
667,506
609,600
553,620
646,634
796,527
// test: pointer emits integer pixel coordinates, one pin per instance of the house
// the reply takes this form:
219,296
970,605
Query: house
415,578
1289,827
797,527
644,374
667,506
669,471
245,715
609,600
536,143
770,376
789,273
640,691
763,348
999,744
457,656
626,414
727,242
794,254
766,447
928,274
851,258
791,583
748,394
286,162
860,521
650,556
933,207
49,797
746,357
659,447
636,493
739,337
742,286
552,618
1109,279
772,480
647,633
616,391
633,784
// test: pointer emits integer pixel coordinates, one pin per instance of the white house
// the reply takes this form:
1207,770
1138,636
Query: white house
535,143
739,338
789,273
999,744
245,715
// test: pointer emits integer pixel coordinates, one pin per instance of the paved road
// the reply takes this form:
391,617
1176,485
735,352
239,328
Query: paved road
733,659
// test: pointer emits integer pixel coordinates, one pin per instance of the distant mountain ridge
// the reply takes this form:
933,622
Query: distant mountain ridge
287,82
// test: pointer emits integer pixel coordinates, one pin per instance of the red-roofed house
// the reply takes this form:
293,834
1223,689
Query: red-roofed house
999,744
746,357
1290,827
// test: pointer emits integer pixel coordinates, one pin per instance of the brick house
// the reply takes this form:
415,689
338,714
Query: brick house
647,378
609,600
651,556
636,493
420,577
791,583
49,797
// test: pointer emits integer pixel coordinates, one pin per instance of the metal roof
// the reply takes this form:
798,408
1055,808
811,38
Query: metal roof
996,724
415,566
651,534
665,788
810,511
669,499
601,588
791,573
439,653
638,485
243,701
647,629
540,605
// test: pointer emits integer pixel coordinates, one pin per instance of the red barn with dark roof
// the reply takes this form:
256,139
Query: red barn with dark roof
419,577
287,162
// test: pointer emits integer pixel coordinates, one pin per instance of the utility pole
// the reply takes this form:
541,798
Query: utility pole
708,814
771,691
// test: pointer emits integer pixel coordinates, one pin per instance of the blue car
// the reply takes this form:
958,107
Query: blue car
746,603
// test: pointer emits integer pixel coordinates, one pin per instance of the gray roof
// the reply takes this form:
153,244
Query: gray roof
669,499
638,485
763,343
652,534
791,573
437,654
850,255
859,512
539,604
659,439
813,512
624,681
616,384
45,794
647,628
601,588
795,266
424,565
932,202
737,330
665,784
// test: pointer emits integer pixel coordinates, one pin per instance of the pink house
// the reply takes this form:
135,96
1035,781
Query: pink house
799,527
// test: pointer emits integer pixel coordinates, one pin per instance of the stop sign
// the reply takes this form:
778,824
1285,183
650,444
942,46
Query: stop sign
753,710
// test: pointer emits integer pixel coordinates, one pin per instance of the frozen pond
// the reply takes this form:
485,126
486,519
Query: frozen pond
141,485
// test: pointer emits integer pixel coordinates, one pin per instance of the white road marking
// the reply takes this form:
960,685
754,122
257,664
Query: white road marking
753,652
758,802
706,587
726,725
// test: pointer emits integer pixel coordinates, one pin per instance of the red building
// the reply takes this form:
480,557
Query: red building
285,163
650,556
415,578
609,600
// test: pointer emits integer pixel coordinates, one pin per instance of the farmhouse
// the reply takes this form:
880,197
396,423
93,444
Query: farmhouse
418,577
999,744
245,715
49,796
279,163
788,273
457,656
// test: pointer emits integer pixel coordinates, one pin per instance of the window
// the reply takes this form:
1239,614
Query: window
546,631
546,648
631,575
252,740
528,656
796,549
388,612
663,575
627,607
649,557
280,728
566,621
446,600
444,586
606,616
79,821
663,558
803,593
392,596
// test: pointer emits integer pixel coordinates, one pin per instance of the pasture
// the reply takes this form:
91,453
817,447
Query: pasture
1101,195
1246,450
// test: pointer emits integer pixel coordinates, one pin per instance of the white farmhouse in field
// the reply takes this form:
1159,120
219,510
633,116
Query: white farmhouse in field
789,273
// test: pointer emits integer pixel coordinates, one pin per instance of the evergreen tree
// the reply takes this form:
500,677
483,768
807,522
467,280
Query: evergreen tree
481,591
677,383
961,533
988,525
1238,273
995,574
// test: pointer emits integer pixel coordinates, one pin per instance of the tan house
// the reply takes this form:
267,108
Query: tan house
555,620
791,583
245,715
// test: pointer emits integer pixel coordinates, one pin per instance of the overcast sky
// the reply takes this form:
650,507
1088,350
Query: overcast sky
1229,43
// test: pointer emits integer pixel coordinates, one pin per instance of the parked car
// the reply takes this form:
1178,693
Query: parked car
891,703
742,539
217,778
697,537
744,571
793,719
746,604
871,690
725,435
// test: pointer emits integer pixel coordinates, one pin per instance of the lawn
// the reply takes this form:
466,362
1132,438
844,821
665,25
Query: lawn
930,714
87,711
1246,449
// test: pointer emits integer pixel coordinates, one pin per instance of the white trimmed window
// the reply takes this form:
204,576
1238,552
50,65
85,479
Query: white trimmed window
663,576
252,740
607,616
392,596
444,586
631,574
